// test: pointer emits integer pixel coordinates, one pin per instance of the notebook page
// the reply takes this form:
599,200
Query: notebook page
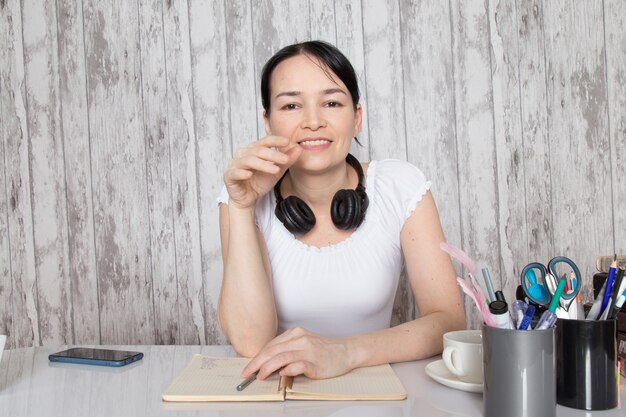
208,378
375,382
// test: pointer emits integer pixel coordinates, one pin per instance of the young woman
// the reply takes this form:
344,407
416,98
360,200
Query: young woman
313,242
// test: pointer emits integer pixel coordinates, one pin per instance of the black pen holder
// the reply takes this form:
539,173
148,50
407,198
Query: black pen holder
586,364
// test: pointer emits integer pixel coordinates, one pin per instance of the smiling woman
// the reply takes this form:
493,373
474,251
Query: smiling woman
309,280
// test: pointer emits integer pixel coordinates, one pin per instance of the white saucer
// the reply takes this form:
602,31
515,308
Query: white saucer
437,370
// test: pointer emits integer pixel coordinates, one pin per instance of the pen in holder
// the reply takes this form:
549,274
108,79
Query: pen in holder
519,372
586,359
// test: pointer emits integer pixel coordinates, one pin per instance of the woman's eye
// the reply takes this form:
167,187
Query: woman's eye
333,104
290,106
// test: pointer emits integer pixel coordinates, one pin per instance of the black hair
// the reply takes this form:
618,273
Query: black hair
330,58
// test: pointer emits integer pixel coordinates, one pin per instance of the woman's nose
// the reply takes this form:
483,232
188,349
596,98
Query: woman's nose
313,119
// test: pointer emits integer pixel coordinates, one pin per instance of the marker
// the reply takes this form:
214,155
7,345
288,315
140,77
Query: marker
246,382
500,312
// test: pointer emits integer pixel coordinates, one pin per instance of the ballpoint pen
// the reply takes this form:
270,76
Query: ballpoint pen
548,318
618,305
488,284
525,324
518,309
246,382
595,308
609,285
618,289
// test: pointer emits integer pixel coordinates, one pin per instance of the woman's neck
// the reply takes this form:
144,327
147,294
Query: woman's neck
319,189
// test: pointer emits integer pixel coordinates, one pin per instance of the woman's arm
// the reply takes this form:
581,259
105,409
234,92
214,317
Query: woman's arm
246,309
433,282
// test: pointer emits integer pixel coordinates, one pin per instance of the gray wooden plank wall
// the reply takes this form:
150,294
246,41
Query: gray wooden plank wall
118,118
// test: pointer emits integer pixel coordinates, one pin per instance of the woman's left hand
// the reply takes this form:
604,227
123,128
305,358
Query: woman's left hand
298,351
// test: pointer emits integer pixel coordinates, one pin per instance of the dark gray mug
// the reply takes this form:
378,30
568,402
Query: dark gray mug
586,364
520,373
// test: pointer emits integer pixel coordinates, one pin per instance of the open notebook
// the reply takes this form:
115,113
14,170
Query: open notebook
208,378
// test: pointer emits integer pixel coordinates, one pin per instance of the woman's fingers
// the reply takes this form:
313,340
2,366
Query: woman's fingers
271,142
257,167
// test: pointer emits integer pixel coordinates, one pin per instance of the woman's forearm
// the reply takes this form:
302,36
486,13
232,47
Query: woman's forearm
416,339
246,311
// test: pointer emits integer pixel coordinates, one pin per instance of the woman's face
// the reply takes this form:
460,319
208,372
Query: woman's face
314,109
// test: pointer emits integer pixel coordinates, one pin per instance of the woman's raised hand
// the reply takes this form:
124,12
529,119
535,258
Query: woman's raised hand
256,168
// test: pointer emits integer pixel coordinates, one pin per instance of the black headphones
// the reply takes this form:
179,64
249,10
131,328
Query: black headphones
347,209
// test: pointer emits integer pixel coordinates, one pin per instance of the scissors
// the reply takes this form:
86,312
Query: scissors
540,289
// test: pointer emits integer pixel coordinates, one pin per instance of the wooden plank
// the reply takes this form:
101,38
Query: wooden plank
578,132
475,139
431,136
509,146
276,24
154,94
75,131
322,24
348,17
383,66
191,320
243,86
535,155
383,63
119,173
6,287
6,304
615,38
47,172
211,103
23,320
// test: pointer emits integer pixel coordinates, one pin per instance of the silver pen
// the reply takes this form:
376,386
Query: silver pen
246,382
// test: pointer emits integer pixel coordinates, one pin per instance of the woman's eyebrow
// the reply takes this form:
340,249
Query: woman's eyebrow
297,93
333,91
288,94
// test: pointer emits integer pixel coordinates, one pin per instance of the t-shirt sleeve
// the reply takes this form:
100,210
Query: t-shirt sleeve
401,186
223,196
262,212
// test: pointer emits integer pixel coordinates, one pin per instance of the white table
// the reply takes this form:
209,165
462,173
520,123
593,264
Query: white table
32,386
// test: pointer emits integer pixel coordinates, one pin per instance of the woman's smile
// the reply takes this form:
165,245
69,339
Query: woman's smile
315,144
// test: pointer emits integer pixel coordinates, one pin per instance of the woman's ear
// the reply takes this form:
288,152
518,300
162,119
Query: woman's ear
358,119
266,119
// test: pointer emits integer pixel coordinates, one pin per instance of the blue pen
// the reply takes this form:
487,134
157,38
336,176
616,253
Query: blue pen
609,285
528,316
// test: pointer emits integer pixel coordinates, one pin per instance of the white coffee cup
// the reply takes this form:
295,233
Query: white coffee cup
463,354
3,340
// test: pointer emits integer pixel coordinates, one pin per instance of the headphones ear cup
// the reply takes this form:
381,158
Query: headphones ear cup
345,209
295,214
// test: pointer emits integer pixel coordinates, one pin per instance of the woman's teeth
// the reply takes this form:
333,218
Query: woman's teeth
314,142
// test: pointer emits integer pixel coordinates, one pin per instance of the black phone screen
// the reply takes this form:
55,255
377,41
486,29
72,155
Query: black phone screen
96,356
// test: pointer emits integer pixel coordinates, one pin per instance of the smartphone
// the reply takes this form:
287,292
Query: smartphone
91,356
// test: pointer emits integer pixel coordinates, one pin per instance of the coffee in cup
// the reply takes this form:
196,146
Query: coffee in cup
463,355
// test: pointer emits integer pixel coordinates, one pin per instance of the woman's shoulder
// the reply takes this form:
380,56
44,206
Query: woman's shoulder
397,186
395,170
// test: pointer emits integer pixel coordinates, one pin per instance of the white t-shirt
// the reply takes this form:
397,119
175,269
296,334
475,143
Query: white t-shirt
349,287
